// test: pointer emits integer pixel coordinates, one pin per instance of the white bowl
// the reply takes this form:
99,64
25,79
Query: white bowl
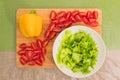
97,39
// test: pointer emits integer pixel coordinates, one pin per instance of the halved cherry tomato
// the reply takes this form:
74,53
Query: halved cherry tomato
76,12
25,58
22,46
38,62
68,24
61,14
94,24
34,46
45,42
91,20
51,26
53,15
29,48
82,14
52,35
78,18
39,43
35,56
88,15
31,63
61,19
72,18
55,21
95,14
85,20
22,61
57,29
68,14
43,50
47,33
21,52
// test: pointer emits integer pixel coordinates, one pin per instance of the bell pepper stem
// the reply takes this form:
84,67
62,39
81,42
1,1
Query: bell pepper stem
33,12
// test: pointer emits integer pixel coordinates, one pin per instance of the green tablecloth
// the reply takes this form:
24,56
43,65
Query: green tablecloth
110,9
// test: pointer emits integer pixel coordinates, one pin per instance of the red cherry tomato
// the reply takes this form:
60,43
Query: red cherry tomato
45,42
22,61
53,15
68,14
82,14
52,35
76,12
78,18
95,14
57,29
21,52
94,24
22,46
61,14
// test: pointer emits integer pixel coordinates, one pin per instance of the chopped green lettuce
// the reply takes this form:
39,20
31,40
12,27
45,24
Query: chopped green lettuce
78,52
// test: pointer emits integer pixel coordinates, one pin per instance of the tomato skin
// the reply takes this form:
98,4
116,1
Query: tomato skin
94,24
82,14
95,14
78,18
39,43
23,61
45,42
52,35
38,62
61,19
68,24
61,14
21,52
23,46
74,13
53,15
68,15
85,20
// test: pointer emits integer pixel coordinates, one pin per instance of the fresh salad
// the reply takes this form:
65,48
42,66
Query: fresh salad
78,52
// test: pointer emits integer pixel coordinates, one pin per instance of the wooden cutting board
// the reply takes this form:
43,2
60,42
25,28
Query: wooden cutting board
44,13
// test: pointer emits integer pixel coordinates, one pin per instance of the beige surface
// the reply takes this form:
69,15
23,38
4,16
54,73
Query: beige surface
44,13
8,70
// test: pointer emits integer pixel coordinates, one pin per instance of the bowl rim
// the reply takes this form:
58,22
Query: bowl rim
84,27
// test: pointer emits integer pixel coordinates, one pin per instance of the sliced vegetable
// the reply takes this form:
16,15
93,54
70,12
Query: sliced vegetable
78,52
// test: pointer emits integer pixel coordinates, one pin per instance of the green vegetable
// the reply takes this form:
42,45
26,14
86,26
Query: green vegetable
78,52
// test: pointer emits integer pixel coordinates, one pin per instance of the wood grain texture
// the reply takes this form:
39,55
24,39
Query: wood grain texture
44,13
8,70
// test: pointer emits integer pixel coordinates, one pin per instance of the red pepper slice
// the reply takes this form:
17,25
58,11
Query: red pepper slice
53,15
55,21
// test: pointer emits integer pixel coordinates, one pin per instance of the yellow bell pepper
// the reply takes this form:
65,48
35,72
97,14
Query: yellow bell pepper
30,24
